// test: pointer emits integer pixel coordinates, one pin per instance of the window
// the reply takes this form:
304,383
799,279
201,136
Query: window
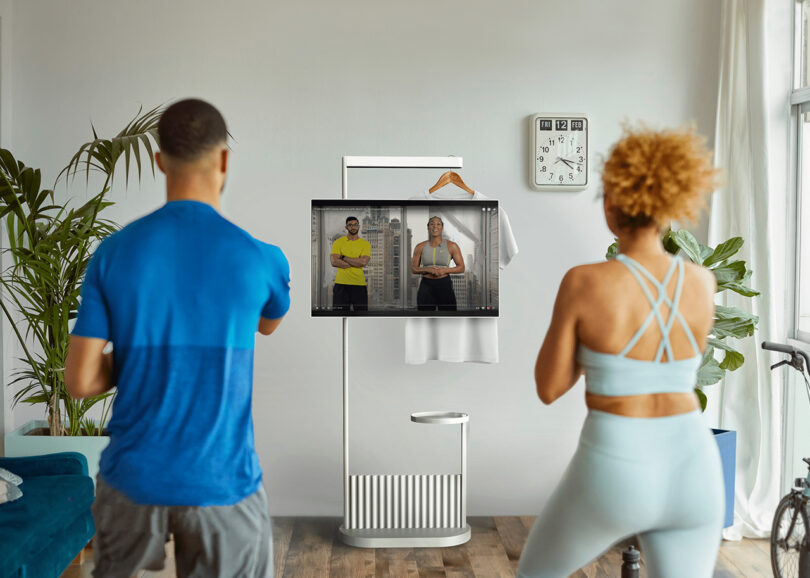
796,409
802,77
800,100
803,229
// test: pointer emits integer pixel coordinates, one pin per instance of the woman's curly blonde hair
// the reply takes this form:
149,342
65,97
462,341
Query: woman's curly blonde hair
658,176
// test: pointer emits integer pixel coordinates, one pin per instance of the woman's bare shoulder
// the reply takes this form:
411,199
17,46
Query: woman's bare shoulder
595,284
585,279
590,272
701,274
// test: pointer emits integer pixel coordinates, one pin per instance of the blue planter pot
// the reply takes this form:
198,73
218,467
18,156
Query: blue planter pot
727,444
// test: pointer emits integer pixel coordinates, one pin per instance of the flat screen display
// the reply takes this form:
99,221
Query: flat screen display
409,258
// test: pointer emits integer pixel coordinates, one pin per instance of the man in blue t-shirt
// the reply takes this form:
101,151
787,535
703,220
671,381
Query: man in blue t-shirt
180,294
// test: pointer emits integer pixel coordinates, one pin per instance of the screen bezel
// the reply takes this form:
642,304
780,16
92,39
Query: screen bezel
438,203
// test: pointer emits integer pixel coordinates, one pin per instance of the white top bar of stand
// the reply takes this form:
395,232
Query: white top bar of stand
440,417
403,162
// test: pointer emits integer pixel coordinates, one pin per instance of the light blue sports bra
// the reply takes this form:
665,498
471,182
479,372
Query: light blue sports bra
609,374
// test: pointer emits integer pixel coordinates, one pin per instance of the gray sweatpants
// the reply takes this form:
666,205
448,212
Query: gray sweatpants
209,541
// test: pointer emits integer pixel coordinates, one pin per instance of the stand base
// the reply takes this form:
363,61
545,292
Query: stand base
405,537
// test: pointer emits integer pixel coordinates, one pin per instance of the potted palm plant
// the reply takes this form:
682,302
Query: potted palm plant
49,246
731,275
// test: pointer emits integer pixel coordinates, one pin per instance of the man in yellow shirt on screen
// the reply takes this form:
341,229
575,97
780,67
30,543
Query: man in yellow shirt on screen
350,254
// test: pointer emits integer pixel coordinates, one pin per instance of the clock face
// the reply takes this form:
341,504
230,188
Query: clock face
560,152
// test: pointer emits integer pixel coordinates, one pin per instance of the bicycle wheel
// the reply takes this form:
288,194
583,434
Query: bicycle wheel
788,532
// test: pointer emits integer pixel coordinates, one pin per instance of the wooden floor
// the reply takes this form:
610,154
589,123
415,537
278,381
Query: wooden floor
310,548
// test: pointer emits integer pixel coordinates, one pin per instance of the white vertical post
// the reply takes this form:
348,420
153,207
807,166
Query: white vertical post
464,427
345,422
345,195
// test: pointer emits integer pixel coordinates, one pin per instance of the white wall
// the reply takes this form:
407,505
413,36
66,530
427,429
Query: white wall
303,83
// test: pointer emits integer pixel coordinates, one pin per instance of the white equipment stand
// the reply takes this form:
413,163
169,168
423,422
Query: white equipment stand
402,510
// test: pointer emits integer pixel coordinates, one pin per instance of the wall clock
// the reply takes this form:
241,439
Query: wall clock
559,152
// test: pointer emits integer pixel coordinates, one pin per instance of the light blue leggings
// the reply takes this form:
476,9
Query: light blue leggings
658,478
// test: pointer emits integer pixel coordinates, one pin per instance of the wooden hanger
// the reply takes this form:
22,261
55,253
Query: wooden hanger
447,178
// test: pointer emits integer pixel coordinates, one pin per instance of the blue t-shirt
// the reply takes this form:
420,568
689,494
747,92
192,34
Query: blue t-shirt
179,293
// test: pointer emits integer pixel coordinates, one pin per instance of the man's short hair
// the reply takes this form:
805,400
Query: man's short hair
352,219
189,128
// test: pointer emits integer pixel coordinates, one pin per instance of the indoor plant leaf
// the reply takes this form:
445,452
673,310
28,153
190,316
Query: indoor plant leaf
710,373
734,327
733,272
687,243
732,360
724,251
701,398
738,288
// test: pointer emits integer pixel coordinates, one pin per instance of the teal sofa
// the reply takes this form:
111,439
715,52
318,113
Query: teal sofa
43,531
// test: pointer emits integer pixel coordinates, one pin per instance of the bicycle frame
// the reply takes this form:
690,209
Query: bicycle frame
799,497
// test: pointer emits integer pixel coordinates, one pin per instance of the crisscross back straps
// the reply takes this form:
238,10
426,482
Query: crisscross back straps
638,270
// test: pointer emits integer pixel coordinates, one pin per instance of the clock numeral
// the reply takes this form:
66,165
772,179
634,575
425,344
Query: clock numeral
551,176
550,141
541,158
581,159
570,176
579,150
545,149
561,178
542,169
579,169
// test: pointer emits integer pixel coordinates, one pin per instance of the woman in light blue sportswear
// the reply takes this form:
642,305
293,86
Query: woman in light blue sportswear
646,463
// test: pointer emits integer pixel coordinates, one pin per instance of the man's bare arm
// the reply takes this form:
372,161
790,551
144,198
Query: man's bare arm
337,261
88,370
360,261
267,326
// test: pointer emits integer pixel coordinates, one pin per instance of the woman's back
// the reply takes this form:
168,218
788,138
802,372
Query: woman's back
619,336
613,307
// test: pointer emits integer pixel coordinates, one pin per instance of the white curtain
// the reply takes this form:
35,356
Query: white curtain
749,398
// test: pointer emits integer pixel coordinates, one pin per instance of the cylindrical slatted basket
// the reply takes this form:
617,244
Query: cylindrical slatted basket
404,510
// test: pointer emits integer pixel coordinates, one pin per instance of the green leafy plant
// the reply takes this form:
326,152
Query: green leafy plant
731,275
49,248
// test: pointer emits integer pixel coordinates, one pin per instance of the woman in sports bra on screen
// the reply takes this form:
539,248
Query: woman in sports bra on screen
431,259
646,463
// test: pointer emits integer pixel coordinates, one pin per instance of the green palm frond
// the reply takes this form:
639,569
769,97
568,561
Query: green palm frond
103,154
49,248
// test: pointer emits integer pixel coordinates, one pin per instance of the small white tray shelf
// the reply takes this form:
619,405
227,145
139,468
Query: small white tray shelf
440,417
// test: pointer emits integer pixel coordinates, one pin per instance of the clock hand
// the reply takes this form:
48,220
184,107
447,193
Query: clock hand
568,163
